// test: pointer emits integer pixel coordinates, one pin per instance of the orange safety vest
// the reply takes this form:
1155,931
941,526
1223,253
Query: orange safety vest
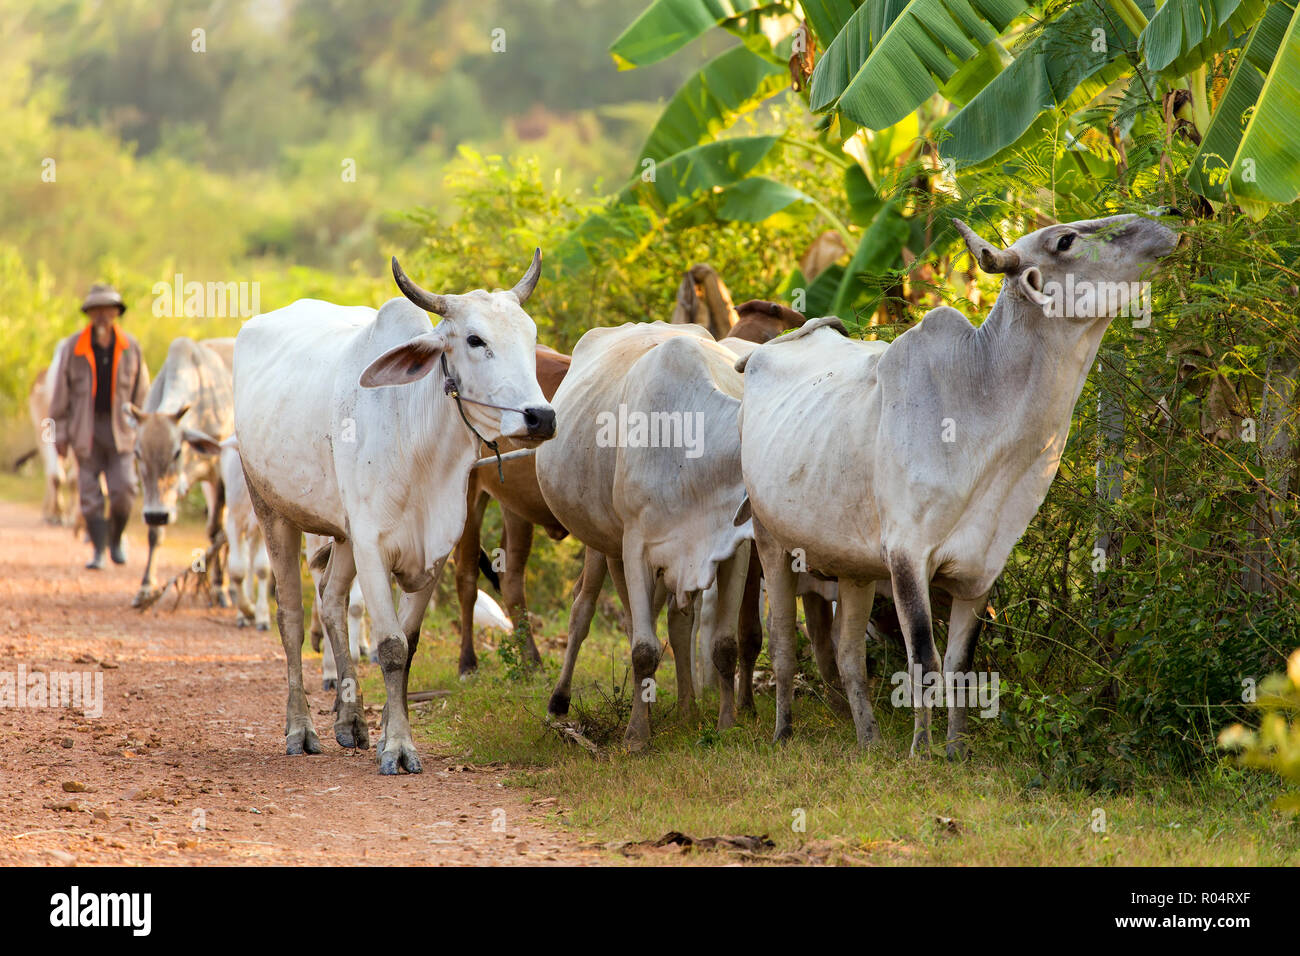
86,350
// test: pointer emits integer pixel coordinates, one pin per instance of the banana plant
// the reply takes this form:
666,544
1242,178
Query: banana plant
692,168
893,55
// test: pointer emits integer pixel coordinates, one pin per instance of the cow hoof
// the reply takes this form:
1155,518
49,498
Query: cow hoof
783,733
329,683
401,758
263,625
558,705
242,622
352,734
301,742
637,739
223,599
468,669
870,740
374,657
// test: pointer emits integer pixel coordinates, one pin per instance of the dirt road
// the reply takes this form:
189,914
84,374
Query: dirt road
186,765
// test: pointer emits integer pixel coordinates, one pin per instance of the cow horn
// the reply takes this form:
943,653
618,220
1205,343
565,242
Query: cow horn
525,286
437,304
990,257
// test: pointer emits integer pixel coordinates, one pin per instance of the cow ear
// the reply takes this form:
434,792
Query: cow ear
202,442
744,513
1030,282
405,363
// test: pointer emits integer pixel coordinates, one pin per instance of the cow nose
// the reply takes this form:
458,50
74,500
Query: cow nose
156,518
540,421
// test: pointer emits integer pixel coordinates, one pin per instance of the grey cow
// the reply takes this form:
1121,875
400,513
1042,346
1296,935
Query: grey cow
924,461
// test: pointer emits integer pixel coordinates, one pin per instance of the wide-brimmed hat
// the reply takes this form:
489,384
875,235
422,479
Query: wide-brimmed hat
103,294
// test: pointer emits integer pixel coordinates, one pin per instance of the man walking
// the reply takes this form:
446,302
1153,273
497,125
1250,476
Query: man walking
101,370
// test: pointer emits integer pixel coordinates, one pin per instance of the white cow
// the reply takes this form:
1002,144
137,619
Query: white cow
924,461
644,471
60,505
329,449
248,565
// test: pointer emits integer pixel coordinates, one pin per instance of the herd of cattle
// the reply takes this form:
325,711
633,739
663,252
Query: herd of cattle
695,465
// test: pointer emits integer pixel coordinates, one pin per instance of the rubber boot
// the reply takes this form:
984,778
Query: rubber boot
97,528
116,548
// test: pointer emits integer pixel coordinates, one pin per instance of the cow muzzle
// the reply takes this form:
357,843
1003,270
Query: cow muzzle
529,426
156,518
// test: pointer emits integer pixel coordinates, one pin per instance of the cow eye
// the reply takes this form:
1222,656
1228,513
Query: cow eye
1065,242
475,342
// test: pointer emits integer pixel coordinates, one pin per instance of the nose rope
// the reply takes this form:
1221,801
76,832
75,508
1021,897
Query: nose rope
449,387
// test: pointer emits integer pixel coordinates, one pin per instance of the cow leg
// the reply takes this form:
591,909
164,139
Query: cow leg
396,751
963,630
855,610
283,543
702,671
780,577
519,545
912,599
640,581
147,581
750,633
467,552
349,722
584,606
681,622
358,632
615,565
820,620
261,575
731,589
214,496
318,643
238,568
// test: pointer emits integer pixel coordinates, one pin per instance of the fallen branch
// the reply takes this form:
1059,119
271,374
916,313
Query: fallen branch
571,733
185,578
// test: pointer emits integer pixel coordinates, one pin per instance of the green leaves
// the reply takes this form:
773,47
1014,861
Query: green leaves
700,169
1042,76
879,250
1250,152
1183,34
827,17
757,198
893,54
709,102
668,25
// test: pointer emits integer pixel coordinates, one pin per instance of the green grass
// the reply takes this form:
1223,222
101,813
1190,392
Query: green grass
878,808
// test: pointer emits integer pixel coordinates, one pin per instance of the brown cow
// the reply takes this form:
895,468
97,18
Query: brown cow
522,507
761,321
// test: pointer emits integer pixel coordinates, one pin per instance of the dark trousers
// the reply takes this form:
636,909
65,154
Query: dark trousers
117,469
